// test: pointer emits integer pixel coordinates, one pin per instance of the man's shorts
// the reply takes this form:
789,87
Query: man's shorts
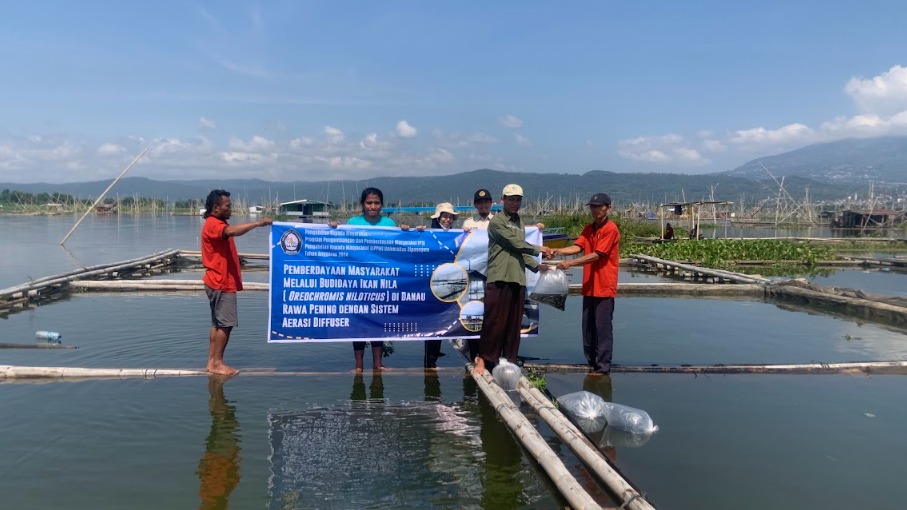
223,308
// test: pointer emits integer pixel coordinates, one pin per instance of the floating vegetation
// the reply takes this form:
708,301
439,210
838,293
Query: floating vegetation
537,380
724,253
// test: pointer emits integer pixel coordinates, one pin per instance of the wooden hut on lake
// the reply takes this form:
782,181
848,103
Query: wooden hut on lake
868,218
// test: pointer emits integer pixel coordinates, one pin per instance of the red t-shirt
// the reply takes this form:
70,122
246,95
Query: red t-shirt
600,277
219,257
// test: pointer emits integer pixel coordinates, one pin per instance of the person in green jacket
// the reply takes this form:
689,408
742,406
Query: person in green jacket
509,255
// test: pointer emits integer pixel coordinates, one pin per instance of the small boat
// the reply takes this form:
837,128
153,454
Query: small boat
556,237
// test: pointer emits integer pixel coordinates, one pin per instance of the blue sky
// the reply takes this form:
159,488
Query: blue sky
296,90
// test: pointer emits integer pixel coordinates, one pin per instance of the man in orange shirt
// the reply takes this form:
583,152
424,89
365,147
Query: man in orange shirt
600,244
222,274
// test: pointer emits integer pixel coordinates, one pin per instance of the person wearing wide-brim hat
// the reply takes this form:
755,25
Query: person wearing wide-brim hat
505,289
600,244
444,216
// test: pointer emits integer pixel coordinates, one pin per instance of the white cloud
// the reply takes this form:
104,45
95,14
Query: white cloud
370,140
459,141
885,94
334,135
589,143
865,125
785,135
511,121
110,149
255,144
301,143
206,124
665,149
434,158
522,140
714,145
687,155
881,102
404,130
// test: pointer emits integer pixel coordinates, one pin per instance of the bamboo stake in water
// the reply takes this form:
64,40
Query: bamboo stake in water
101,197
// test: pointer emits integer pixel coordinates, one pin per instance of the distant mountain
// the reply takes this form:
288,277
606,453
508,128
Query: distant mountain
849,161
565,188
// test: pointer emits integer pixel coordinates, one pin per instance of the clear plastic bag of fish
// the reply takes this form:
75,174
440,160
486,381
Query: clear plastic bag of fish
507,375
587,410
551,289
629,419
614,437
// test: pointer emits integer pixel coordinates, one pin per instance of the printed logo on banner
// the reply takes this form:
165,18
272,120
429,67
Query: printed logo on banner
290,242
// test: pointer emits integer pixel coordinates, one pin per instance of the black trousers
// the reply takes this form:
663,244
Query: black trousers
502,321
432,352
598,336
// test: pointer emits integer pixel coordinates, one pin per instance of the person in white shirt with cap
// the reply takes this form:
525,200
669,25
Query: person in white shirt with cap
481,200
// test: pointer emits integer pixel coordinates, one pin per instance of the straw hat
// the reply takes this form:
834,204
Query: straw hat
444,207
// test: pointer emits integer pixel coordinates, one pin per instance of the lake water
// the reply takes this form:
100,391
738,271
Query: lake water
407,440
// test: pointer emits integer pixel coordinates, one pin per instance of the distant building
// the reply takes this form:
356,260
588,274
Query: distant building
106,209
306,209
875,218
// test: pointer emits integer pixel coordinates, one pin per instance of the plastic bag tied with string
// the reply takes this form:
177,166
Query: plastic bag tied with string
587,410
507,375
551,289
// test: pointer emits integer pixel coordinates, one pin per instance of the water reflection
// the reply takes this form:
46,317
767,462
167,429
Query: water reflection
432,387
376,388
502,467
601,385
218,470
382,454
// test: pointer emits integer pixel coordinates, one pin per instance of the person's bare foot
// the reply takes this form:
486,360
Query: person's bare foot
358,370
222,369
480,366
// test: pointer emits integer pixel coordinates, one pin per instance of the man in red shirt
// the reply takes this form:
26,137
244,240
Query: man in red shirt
222,274
600,244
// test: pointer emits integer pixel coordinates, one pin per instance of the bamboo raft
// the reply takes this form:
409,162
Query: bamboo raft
121,276
715,275
624,492
52,287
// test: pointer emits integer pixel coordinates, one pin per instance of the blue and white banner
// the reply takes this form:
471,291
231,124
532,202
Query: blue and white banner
360,283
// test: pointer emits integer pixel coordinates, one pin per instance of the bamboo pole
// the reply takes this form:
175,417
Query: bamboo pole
154,285
855,367
534,443
864,307
36,345
628,289
253,256
591,456
670,289
10,372
101,196
717,273
24,372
